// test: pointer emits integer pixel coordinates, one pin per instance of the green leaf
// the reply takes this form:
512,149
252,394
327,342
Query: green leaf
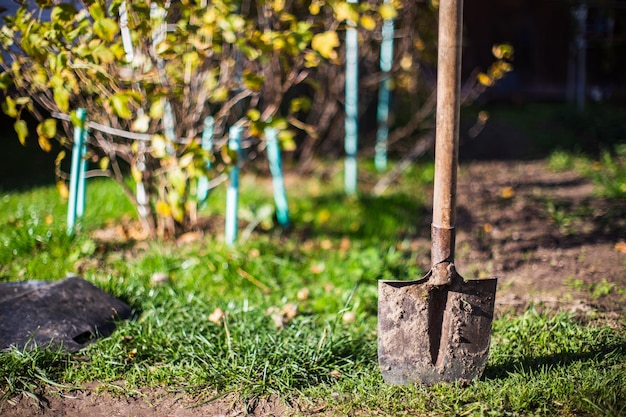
286,140
186,160
136,174
6,81
22,131
121,105
163,209
44,144
24,101
47,128
253,81
300,103
219,95
229,36
175,202
64,12
40,77
159,146
251,53
387,11
105,29
253,114
178,213
346,11
9,107
325,44
59,159
314,8
141,124
104,163
103,54
368,22
279,124
156,109
191,59
62,98
502,51
117,49
96,11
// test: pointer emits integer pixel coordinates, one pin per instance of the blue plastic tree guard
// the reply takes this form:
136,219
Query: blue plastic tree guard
351,106
76,201
280,196
232,192
382,117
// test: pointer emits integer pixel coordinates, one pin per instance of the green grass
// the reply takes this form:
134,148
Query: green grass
607,170
338,248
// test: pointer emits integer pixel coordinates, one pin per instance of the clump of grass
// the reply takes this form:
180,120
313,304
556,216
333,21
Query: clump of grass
560,161
609,173
30,371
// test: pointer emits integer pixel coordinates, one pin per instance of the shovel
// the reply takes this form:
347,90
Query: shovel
438,328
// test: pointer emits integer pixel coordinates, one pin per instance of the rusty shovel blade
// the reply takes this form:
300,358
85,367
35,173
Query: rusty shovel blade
430,334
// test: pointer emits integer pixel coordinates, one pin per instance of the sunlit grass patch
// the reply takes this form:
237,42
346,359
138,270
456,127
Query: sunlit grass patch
287,312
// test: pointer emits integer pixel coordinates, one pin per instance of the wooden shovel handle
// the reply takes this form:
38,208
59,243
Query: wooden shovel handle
447,133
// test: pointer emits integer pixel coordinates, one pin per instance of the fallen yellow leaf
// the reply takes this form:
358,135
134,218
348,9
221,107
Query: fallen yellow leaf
349,317
620,247
289,311
507,192
304,294
217,316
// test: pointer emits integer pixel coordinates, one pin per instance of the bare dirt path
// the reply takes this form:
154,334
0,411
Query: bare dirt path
546,234
551,242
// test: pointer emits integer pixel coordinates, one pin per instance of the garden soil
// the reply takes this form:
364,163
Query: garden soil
551,241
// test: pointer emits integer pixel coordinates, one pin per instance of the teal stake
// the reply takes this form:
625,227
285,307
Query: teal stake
232,193
386,60
76,178
207,145
82,169
351,106
280,196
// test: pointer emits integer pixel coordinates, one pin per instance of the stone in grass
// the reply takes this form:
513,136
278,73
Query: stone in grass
67,314
159,279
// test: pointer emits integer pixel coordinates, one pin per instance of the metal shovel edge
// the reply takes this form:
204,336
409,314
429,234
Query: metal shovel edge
430,334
